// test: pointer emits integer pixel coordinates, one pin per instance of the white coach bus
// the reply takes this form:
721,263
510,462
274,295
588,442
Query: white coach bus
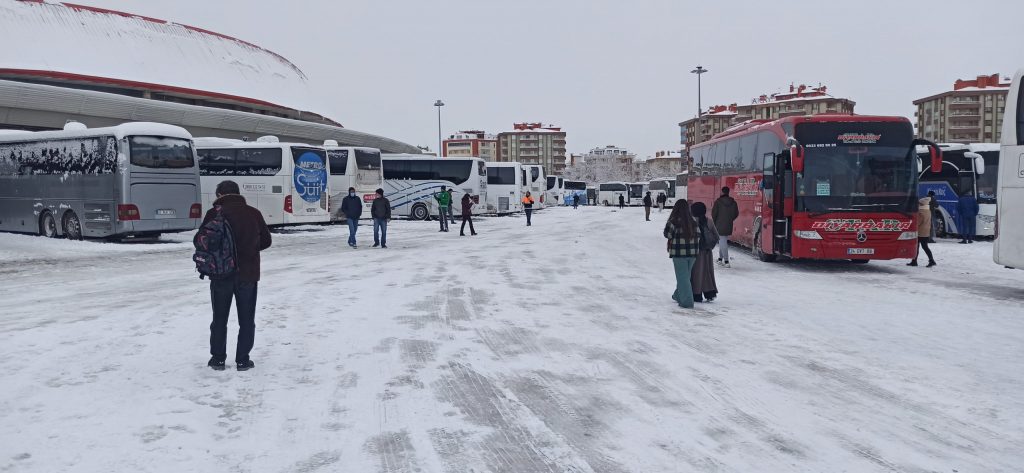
411,181
663,185
353,167
1009,245
608,192
536,183
134,179
556,191
505,187
287,182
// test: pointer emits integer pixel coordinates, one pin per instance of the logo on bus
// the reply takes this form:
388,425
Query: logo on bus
310,176
745,186
859,138
858,225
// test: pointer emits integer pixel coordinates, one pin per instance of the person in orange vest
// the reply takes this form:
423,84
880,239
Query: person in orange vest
528,207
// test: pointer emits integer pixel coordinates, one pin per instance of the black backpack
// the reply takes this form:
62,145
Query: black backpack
215,255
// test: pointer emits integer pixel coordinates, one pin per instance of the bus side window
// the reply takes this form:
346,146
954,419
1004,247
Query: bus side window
768,165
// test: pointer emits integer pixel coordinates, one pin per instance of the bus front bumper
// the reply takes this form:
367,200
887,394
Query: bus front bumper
880,249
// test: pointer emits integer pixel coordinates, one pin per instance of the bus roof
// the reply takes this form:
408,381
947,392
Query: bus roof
504,164
120,131
427,157
215,142
776,125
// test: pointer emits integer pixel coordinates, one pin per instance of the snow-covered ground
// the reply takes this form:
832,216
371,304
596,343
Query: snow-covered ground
529,349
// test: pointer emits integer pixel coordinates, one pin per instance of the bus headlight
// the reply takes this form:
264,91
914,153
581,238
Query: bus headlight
987,218
908,236
807,234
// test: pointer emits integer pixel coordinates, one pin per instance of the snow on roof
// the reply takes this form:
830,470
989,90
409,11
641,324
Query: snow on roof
1004,87
124,129
77,42
534,130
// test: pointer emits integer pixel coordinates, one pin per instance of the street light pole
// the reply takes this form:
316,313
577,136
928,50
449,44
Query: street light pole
699,70
439,104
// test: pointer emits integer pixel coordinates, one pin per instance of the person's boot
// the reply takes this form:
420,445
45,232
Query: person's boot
245,365
930,263
912,262
216,365
963,242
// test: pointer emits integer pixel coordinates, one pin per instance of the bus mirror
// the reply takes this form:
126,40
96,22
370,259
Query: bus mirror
796,154
979,162
934,153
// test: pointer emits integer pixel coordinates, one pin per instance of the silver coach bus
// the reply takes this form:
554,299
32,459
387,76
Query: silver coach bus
134,179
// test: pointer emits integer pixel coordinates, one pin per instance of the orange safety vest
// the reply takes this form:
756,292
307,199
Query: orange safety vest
527,200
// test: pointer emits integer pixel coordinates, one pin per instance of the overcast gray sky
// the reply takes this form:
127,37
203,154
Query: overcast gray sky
608,72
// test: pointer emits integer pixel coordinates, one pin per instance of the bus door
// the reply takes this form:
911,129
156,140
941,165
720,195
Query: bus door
773,204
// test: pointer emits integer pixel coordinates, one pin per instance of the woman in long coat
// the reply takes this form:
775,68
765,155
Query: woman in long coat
702,279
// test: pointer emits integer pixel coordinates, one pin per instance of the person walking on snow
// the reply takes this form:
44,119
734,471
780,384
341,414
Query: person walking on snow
352,207
702,279
662,198
444,202
528,207
467,215
622,201
251,236
682,249
647,206
380,210
967,207
724,213
451,207
575,201
924,223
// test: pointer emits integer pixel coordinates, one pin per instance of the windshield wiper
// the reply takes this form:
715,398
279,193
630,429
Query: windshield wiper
899,211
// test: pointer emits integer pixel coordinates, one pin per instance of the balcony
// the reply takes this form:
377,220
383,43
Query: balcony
964,126
965,113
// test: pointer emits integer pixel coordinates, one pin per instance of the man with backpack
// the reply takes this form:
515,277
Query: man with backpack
228,247
352,207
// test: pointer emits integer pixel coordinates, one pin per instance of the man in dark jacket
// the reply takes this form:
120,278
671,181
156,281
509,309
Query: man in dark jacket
933,205
251,235
622,201
724,213
647,206
380,210
352,207
575,200
467,215
967,207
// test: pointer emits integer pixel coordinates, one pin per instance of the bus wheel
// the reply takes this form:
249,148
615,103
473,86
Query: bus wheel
420,212
47,225
758,252
72,226
940,228
860,261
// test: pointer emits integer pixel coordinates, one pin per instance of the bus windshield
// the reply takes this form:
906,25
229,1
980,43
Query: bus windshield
856,167
501,176
987,181
575,185
367,159
161,153
552,182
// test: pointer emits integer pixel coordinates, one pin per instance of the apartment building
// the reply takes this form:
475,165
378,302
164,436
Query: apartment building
534,143
970,113
471,143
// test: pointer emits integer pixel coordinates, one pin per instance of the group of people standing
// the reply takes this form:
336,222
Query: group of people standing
692,237
444,211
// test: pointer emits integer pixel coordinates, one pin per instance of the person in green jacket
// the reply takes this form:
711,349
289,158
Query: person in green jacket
444,204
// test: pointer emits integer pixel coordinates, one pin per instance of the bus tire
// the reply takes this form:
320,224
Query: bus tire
940,227
47,225
420,212
758,252
72,226
860,261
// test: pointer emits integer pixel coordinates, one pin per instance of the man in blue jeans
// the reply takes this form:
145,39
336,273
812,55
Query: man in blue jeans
967,207
352,207
380,210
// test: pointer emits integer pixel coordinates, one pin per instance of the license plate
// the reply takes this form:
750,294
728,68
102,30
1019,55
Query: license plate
860,251
165,213
311,210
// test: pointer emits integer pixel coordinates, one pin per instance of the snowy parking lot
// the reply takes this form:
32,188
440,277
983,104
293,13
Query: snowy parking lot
551,348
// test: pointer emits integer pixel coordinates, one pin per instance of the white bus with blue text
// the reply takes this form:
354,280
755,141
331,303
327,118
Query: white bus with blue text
505,187
1009,245
963,170
286,182
355,167
411,181
575,188
129,180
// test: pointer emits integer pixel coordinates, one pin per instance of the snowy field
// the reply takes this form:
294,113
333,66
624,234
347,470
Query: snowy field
551,348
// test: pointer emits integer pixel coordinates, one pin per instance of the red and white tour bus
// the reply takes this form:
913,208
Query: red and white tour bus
817,187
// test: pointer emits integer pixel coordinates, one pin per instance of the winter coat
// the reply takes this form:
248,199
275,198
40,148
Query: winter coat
924,217
381,208
678,246
967,206
527,202
467,205
249,231
708,234
724,213
444,199
662,198
647,200
622,200
351,206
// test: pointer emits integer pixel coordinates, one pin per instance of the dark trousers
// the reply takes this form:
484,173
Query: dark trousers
442,218
529,213
380,231
968,225
353,224
924,246
647,212
467,218
621,205
221,293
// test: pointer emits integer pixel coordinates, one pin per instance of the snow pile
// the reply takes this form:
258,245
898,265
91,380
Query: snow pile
78,40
